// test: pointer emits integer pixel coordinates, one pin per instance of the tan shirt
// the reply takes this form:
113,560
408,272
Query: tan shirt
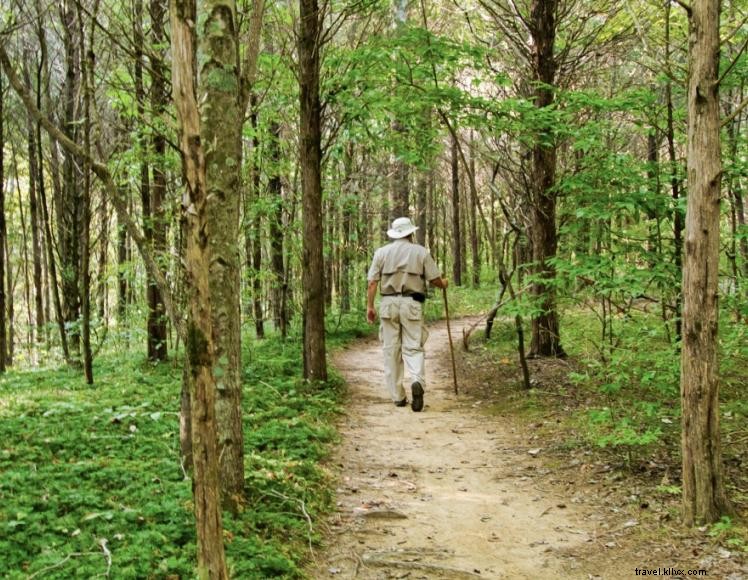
402,267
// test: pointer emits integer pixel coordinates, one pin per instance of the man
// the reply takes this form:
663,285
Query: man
401,269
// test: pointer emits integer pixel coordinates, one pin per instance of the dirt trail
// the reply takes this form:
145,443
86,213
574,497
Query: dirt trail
443,493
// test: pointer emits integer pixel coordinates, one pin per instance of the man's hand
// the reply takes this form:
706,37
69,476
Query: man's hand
371,314
440,283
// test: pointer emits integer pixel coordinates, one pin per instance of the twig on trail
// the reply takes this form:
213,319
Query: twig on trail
359,563
61,562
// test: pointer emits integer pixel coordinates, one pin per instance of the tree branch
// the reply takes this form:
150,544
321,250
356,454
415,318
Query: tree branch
685,7
727,120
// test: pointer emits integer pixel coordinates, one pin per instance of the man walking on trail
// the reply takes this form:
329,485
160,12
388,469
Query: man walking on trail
401,269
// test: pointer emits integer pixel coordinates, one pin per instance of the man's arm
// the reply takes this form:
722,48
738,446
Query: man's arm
371,292
440,283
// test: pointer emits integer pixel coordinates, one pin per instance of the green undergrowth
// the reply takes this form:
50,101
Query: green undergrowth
91,483
618,405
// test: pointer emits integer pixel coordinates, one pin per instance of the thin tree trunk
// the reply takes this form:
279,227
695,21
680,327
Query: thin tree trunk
199,346
157,318
350,206
704,497
54,286
34,218
122,266
24,253
674,179
69,207
275,191
253,233
474,239
102,289
315,364
10,306
87,64
3,233
42,87
221,128
456,221
546,340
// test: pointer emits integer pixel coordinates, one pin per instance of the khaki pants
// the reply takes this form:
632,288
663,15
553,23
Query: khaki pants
403,334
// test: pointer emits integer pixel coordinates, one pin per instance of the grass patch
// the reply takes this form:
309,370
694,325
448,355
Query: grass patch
91,482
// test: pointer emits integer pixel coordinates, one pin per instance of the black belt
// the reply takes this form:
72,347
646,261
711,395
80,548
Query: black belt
417,296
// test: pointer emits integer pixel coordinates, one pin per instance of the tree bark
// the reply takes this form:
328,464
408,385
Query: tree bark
674,179
34,217
69,207
704,497
199,344
546,340
253,233
3,233
275,191
87,64
350,207
474,236
157,318
221,122
456,221
122,262
315,364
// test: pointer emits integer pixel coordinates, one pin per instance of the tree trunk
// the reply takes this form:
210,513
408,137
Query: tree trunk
350,207
474,239
456,222
69,207
674,179
87,64
546,340
704,498
153,341
313,283
157,318
10,308
221,132
211,558
122,266
34,217
25,254
253,234
275,191
400,193
3,232
53,275
42,87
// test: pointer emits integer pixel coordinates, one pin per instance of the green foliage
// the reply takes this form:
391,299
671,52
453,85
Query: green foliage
86,467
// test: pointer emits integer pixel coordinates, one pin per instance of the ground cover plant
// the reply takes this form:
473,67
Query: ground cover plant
611,424
92,485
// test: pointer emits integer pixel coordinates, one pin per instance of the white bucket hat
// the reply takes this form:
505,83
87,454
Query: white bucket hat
401,228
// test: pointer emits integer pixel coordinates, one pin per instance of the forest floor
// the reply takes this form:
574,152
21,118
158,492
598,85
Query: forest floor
465,489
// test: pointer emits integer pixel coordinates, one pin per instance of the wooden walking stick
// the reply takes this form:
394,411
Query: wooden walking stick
451,346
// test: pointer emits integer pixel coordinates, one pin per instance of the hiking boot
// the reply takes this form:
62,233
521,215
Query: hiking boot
401,403
417,390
